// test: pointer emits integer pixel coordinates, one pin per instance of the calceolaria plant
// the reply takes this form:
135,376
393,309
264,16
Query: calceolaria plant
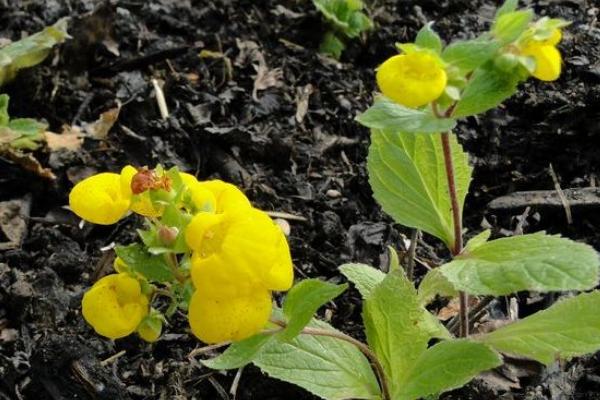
347,20
212,254
204,247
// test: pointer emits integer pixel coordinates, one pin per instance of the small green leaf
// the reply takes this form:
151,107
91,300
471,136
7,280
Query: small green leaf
407,175
332,45
240,353
487,89
389,115
477,240
364,277
303,300
569,328
428,38
468,55
509,26
507,7
447,365
154,268
435,283
536,262
4,117
325,366
394,320
345,15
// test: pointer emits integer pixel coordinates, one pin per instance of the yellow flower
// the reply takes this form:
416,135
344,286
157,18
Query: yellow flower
239,258
115,306
100,199
202,198
150,329
546,56
228,197
215,320
412,79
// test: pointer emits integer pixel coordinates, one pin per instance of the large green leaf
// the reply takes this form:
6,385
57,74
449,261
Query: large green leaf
303,300
536,262
325,366
486,90
470,54
447,365
364,277
409,181
510,25
240,353
394,321
389,115
567,329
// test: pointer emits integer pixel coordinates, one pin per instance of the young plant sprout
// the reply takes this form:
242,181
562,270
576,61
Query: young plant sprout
215,256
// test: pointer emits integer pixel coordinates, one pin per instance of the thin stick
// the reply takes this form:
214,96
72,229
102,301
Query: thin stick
160,100
561,196
412,249
112,358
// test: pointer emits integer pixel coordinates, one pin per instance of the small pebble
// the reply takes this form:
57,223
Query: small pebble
333,194
284,225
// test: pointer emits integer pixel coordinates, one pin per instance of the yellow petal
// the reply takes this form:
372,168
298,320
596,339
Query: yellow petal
554,39
547,61
127,174
99,199
142,205
229,198
150,330
413,79
112,307
219,320
205,232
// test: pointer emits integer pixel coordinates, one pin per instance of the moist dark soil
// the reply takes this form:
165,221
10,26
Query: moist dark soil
312,167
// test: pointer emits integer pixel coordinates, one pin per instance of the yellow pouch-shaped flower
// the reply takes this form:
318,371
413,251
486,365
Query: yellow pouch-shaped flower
228,197
115,306
202,198
215,320
99,199
242,247
412,79
548,60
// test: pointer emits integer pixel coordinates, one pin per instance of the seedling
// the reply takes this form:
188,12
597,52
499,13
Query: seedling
347,21
31,50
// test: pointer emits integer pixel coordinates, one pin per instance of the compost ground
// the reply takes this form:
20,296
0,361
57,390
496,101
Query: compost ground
252,102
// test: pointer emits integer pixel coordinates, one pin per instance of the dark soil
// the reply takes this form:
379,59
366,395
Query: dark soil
314,169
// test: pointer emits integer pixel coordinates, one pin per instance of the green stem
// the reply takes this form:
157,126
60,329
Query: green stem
171,259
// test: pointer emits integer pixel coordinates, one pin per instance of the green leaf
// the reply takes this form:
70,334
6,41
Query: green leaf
447,365
154,268
435,283
537,262
468,55
19,133
357,23
4,117
408,178
389,115
240,353
487,89
325,366
31,50
507,7
477,240
345,15
332,45
394,320
569,328
509,26
303,300
364,277
428,38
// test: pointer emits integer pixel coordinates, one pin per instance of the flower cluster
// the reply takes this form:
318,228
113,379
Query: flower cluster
234,255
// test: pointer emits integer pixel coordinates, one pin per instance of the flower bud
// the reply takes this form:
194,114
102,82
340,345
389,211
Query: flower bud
167,234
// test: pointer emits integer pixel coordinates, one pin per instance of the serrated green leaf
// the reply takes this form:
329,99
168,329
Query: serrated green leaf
389,115
31,50
468,55
240,353
569,328
332,45
364,277
345,15
537,262
507,7
19,133
303,300
428,38
435,283
408,178
509,26
325,366
487,88
154,268
445,366
394,320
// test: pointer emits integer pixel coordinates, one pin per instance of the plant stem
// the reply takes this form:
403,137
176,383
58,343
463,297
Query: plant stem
171,259
457,222
360,345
